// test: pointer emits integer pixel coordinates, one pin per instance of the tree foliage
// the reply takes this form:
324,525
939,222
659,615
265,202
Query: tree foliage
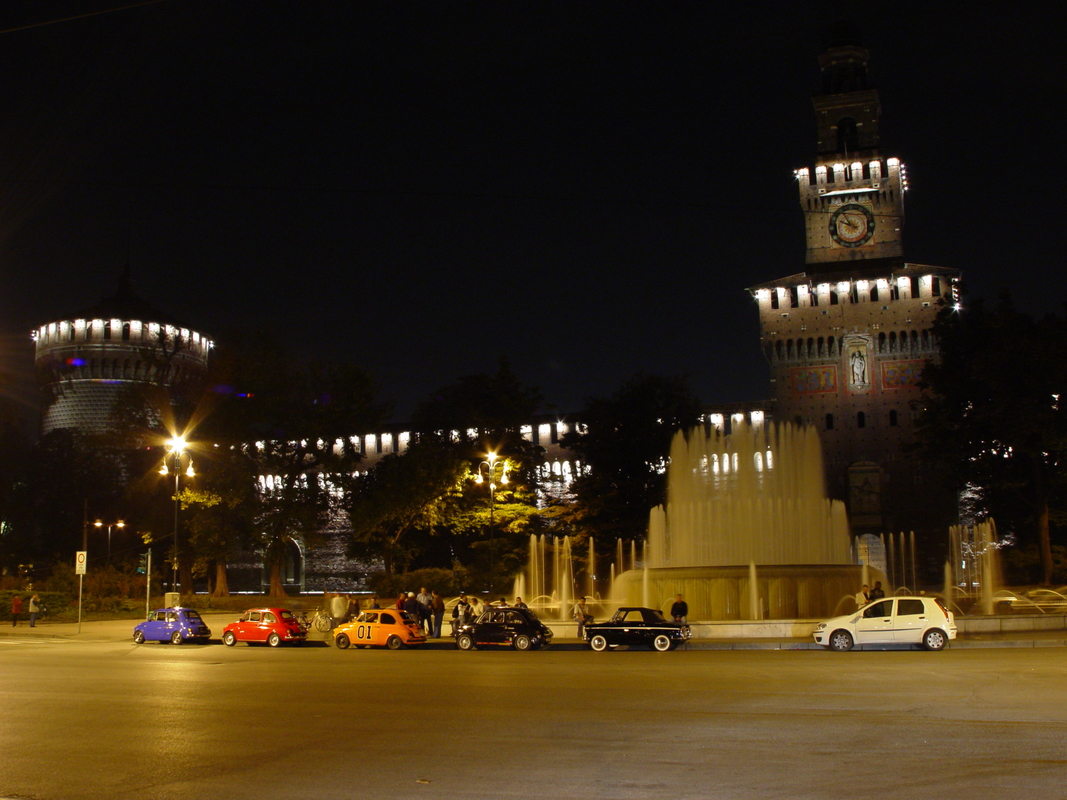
625,440
425,507
404,494
993,414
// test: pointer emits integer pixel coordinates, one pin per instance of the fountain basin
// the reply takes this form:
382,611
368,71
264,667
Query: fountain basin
785,591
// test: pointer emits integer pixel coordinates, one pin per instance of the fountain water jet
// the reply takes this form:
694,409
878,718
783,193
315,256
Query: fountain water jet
755,497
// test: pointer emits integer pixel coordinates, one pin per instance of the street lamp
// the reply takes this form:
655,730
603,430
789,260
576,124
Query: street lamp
488,470
175,451
110,525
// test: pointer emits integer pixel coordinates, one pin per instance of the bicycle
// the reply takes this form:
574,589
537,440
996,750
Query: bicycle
322,622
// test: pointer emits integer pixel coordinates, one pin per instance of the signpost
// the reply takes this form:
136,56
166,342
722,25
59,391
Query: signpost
79,569
148,584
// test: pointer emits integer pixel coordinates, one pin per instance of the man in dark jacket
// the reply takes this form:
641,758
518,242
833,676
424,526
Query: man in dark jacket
411,606
680,610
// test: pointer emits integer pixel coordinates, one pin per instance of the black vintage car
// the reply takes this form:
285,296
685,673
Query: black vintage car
636,627
504,627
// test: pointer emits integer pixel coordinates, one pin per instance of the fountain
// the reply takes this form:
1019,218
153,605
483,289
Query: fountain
975,567
748,531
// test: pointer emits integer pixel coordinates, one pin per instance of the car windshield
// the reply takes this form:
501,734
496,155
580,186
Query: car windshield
285,614
654,615
192,614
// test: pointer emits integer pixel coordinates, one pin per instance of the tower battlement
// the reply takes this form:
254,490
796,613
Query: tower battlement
85,360
858,177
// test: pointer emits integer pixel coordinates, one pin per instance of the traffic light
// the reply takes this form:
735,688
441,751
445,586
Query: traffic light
143,567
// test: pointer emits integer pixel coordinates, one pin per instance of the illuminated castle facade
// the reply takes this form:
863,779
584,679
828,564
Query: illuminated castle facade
85,360
847,338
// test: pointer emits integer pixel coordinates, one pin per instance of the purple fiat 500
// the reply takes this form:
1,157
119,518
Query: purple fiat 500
174,625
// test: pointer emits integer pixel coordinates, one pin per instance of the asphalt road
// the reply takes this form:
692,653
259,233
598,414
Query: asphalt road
116,720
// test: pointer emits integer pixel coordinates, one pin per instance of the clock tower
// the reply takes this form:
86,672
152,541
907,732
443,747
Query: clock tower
847,338
853,197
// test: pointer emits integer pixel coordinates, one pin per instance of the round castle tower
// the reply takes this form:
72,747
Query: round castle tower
85,360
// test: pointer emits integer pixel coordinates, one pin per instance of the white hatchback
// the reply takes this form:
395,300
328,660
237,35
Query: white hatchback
893,620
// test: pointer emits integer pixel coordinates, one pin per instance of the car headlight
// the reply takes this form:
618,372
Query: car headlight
820,626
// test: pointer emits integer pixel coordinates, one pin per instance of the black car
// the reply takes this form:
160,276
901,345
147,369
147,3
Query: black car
636,627
504,627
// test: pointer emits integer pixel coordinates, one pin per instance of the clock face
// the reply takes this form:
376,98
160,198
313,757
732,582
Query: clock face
852,225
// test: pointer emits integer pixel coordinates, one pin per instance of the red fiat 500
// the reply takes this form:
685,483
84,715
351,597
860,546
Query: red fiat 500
270,625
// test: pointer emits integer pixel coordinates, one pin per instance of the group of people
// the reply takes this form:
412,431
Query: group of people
867,595
16,610
426,607
468,609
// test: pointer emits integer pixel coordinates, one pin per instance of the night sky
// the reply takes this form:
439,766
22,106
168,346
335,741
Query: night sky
586,188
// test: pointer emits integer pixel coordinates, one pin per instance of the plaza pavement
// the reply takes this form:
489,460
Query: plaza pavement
122,630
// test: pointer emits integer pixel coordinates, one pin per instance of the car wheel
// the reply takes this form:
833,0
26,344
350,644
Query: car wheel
394,643
521,643
138,637
934,639
465,642
176,637
662,643
274,639
342,641
229,639
599,643
840,641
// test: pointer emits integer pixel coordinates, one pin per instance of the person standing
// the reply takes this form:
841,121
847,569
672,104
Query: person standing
16,610
339,608
863,597
876,592
35,609
437,606
680,610
461,613
411,606
519,603
582,617
425,610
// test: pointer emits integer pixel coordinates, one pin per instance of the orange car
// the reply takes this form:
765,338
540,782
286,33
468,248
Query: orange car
385,627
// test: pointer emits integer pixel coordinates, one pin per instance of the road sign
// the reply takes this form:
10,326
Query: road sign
79,562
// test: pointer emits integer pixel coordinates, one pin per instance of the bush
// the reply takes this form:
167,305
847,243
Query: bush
55,602
446,582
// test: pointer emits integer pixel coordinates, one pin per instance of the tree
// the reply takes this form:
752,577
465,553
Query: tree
16,520
294,420
481,417
496,406
221,511
625,440
993,414
402,494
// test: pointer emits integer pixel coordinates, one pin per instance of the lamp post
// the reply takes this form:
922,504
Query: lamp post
175,451
110,525
492,469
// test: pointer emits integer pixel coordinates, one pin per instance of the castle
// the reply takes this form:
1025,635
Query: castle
846,338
